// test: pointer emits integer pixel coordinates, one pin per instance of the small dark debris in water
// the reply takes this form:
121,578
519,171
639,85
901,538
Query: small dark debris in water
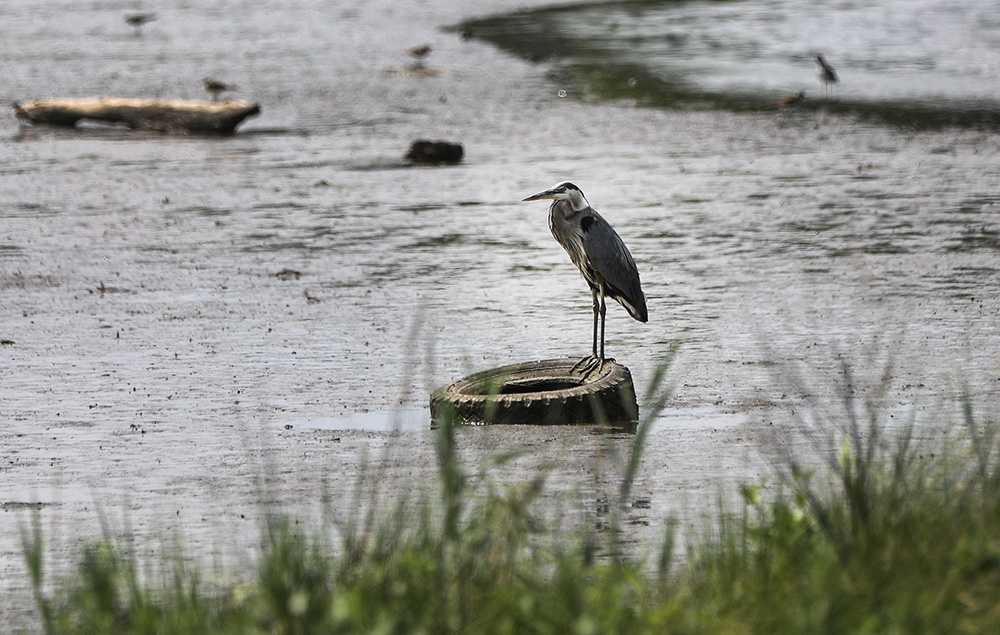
321,183
102,289
766,363
642,503
6,342
418,69
310,299
288,426
288,274
12,505
435,152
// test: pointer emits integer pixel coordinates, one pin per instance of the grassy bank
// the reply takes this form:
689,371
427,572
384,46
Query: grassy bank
888,537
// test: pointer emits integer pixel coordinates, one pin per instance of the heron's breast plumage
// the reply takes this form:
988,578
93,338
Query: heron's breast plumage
567,229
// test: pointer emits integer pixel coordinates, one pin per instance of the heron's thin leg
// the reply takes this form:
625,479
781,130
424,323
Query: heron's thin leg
604,310
597,308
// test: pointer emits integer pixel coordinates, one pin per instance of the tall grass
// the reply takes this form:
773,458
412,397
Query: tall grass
884,538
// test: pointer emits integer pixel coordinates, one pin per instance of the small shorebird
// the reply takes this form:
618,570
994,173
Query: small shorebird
215,87
791,100
419,52
827,76
138,19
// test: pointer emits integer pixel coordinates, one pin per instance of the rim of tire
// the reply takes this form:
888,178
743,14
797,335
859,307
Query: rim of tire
543,392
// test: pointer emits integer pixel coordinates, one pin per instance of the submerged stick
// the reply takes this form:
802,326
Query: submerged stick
176,116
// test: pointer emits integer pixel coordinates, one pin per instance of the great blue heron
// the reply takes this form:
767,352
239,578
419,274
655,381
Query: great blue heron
597,251
827,76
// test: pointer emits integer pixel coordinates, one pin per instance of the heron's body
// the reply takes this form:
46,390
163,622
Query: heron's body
598,252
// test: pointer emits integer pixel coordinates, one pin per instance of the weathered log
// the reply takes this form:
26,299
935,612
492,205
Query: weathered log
176,116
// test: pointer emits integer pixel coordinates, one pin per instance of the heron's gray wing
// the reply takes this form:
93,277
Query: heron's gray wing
610,258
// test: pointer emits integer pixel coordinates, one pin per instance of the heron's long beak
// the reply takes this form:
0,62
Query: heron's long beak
546,194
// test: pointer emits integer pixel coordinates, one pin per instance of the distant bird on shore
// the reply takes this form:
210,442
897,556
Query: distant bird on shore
419,52
827,76
215,87
598,252
136,20
791,100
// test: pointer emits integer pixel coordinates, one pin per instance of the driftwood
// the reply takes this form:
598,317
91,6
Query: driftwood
177,116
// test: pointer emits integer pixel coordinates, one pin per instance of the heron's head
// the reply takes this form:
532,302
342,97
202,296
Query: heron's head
563,192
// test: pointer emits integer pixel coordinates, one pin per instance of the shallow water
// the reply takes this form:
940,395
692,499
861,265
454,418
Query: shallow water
201,324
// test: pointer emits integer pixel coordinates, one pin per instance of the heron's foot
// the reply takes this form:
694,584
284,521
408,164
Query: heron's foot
590,364
586,364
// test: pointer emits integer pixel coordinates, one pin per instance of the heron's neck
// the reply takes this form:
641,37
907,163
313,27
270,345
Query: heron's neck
562,209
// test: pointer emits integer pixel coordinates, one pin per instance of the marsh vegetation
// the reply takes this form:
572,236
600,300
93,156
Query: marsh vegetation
885,532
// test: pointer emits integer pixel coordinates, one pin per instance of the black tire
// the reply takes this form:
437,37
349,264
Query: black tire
546,392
